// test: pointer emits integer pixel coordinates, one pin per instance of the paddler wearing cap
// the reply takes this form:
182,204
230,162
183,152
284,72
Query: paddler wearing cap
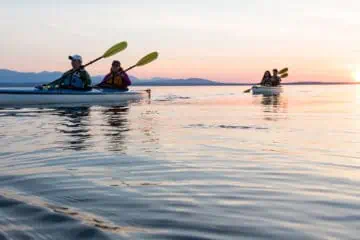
77,78
117,78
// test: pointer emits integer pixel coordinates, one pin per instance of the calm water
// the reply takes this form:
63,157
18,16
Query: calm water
191,163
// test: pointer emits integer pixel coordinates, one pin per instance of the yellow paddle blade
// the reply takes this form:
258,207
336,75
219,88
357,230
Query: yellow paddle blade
115,49
148,59
283,71
284,75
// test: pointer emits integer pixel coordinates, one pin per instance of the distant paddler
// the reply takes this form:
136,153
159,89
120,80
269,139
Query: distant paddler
267,79
271,81
275,79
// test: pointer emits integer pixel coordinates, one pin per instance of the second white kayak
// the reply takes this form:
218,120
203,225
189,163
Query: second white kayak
266,90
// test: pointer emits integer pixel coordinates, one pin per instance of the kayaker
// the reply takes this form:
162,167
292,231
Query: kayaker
275,79
77,78
117,78
266,80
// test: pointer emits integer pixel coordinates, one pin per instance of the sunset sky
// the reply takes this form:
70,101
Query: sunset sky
228,40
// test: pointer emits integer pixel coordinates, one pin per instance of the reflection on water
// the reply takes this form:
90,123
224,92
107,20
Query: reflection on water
75,124
117,122
271,101
79,125
274,107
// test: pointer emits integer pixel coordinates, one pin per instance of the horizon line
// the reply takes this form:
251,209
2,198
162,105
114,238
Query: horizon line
188,78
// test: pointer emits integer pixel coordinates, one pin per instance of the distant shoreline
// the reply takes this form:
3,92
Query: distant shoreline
194,85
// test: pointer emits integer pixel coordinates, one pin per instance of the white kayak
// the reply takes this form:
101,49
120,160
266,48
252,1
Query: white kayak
26,97
267,90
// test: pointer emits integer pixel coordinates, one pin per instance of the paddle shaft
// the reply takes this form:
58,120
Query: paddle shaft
130,68
74,71
84,66
144,61
93,61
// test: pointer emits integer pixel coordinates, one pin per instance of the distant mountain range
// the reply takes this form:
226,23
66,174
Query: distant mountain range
13,78
9,78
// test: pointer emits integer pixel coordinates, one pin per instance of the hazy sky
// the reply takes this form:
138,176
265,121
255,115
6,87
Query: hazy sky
227,40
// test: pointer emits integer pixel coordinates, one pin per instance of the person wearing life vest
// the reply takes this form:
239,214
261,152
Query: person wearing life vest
77,78
275,79
80,79
267,79
117,78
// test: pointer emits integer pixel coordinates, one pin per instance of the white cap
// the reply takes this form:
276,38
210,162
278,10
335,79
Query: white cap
76,57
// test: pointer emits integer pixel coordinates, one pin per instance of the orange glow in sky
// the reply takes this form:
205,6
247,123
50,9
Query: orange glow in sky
228,41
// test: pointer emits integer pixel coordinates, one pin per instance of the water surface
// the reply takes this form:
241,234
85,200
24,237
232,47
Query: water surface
191,163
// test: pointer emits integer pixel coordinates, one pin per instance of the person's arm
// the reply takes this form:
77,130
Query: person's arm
104,83
105,79
262,81
61,79
86,78
126,79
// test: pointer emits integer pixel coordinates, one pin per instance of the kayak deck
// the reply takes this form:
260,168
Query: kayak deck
267,90
94,91
25,97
